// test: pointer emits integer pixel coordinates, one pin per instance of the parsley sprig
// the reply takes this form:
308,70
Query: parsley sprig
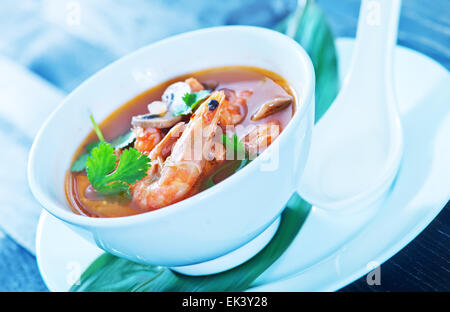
120,142
108,173
234,146
106,178
191,101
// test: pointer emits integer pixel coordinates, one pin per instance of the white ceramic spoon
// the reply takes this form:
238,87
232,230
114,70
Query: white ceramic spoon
357,146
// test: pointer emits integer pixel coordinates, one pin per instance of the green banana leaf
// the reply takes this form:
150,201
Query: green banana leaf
308,26
111,273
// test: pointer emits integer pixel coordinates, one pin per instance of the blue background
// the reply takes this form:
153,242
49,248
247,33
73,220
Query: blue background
35,35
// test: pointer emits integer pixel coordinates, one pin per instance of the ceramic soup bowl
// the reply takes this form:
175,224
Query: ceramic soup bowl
221,226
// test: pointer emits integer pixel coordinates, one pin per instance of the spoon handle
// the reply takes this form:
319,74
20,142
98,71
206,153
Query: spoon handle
376,37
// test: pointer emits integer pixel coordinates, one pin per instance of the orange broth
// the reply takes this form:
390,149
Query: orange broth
265,86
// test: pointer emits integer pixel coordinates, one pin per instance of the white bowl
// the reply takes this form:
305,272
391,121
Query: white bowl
218,220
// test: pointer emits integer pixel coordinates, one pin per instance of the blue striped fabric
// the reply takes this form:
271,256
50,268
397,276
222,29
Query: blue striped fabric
44,36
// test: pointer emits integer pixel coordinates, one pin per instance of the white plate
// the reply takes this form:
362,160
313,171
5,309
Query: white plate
331,250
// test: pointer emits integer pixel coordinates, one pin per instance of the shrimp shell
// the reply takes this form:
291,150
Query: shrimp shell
181,170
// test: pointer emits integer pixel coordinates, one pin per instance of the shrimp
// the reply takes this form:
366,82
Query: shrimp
194,84
215,158
182,169
235,107
260,137
163,149
146,139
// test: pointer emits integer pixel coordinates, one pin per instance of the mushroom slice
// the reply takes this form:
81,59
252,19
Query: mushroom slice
161,113
271,107
155,121
210,85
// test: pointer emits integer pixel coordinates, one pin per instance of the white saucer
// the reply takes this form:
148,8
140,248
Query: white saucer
331,250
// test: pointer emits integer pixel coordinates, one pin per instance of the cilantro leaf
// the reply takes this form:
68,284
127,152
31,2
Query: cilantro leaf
124,140
119,142
191,101
106,178
91,146
132,166
97,130
234,165
79,164
234,145
100,163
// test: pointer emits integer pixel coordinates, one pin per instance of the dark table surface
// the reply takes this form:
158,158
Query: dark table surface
424,264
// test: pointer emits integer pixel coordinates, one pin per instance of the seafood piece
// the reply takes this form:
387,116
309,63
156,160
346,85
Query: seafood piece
235,107
216,157
154,121
271,107
197,86
174,93
260,137
163,149
162,113
181,170
217,152
157,108
210,85
146,138
194,84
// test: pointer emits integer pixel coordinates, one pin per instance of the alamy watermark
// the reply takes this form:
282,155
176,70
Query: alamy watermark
73,273
73,13
374,276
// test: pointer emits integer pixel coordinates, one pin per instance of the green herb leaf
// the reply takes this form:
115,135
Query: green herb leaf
309,27
97,130
238,164
234,146
132,166
79,164
119,142
100,163
91,146
124,140
235,149
111,273
109,180
191,101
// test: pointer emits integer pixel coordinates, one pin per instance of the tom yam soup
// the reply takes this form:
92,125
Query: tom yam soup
177,139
